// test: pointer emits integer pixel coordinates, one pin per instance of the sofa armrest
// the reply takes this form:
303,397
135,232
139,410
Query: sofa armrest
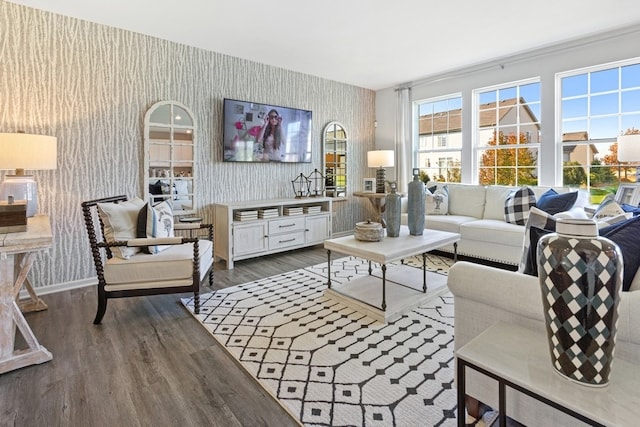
507,290
495,294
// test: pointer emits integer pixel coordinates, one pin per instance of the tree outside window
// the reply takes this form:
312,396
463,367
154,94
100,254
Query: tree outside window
508,133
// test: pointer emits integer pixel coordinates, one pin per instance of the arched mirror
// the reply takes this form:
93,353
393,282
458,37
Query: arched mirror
334,139
169,161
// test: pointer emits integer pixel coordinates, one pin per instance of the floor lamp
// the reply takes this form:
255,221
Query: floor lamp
22,151
380,159
629,151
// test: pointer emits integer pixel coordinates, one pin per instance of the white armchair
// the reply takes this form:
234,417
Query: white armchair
124,270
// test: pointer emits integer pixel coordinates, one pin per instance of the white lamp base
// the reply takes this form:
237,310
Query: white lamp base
22,187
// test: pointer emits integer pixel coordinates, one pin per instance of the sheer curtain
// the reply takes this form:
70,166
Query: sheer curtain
403,148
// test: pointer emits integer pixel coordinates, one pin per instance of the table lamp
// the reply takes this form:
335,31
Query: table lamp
20,151
629,150
380,159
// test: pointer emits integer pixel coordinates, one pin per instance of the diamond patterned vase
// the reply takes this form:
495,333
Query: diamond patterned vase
580,277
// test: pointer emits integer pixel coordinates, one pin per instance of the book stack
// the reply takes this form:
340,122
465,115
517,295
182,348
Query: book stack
245,215
312,209
290,211
268,213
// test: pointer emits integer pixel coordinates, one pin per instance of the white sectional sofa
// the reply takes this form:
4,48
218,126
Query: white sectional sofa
477,213
485,295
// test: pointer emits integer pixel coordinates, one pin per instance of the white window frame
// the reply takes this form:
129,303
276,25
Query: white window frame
438,148
559,116
477,148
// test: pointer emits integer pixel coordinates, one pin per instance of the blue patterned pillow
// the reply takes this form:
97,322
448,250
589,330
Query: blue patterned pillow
552,203
625,235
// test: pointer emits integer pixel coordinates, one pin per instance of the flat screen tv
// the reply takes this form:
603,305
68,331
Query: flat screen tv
265,133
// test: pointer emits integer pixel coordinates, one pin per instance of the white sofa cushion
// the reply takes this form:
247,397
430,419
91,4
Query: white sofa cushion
493,231
495,198
467,200
450,223
144,271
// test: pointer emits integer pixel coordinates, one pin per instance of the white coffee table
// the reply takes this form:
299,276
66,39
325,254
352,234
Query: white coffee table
404,289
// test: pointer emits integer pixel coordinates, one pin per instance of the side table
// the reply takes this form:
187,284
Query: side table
17,254
377,200
518,358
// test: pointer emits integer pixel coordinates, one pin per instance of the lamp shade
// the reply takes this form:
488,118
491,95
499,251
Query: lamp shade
22,151
380,158
629,148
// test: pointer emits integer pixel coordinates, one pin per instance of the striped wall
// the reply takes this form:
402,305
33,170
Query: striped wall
90,85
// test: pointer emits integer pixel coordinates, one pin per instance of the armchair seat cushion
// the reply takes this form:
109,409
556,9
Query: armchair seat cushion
170,268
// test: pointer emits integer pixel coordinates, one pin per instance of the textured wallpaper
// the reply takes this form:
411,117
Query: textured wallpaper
90,86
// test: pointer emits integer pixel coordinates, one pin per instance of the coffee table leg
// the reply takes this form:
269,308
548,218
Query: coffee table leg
329,268
424,272
370,270
384,285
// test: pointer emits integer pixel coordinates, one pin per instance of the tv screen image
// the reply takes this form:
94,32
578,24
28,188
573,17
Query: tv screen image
265,133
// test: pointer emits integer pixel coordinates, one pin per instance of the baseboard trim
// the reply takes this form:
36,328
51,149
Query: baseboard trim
60,287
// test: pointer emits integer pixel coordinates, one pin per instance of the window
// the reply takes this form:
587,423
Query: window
507,126
439,142
596,105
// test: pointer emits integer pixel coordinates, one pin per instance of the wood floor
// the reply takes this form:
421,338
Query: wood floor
148,363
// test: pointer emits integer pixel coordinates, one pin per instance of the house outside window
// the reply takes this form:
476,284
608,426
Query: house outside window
507,139
596,105
438,150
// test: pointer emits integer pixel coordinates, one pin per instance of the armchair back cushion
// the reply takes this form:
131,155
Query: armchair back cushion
120,223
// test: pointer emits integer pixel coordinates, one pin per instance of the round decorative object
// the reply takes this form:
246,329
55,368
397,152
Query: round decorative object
415,205
369,231
580,277
393,211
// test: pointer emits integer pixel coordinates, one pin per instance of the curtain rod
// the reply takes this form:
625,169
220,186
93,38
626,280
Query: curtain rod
524,56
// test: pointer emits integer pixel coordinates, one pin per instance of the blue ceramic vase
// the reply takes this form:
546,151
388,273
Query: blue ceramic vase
415,208
392,208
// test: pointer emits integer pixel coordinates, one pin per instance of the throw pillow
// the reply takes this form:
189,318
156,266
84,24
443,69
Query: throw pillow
119,221
437,202
518,204
607,208
540,223
156,221
182,190
625,235
552,203
635,210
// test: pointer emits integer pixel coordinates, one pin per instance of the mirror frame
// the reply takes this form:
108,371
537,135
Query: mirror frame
173,169
330,148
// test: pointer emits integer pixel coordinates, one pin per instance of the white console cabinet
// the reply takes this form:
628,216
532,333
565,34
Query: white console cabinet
249,229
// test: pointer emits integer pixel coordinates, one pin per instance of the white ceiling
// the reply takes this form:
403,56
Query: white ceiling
369,43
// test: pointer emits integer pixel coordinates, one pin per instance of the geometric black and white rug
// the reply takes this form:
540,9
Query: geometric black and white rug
329,365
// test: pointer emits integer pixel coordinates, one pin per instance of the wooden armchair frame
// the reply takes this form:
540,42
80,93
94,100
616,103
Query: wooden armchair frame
98,243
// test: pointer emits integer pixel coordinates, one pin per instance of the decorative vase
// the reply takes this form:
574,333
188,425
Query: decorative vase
580,277
415,208
392,208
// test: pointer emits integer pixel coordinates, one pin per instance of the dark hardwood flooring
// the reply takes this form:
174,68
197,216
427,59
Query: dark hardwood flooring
148,363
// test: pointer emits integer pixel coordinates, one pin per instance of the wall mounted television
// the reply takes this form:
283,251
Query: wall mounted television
265,133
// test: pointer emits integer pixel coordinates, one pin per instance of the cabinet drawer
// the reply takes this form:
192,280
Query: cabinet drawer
286,225
286,240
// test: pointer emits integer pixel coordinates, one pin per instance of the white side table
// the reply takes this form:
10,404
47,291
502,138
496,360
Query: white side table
518,358
17,253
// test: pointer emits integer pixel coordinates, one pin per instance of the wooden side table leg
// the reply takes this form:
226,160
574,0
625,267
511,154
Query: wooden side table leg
23,265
